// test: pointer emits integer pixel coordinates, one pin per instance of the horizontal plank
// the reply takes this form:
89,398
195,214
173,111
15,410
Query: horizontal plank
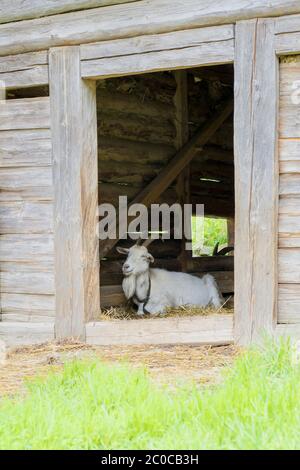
132,19
25,148
214,329
26,317
289,225
289,184
289,119
289,150
33,249
24,70
26,217
206,54
289,205
289,303
288,23
14,10
289,266
22,333
22,282
27,304
289,242
155,42
19,184
32,266
288,43
26,113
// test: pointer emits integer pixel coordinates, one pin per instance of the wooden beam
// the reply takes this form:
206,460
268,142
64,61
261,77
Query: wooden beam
74,137
158,185
212,330
256,180
15,10
131,19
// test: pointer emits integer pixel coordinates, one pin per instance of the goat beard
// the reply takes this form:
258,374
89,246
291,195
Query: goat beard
132,283
129,286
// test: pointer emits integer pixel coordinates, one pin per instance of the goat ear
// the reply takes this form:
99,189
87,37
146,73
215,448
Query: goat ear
150,258
122,251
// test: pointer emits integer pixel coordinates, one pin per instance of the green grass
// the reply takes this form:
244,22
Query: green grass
215,231
96,406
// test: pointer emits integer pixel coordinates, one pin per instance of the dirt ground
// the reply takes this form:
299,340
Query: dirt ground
169,364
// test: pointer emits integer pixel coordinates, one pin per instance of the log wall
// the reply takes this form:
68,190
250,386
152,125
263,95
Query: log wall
26,211
289,190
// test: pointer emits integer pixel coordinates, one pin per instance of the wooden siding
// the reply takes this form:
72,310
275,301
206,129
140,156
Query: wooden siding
289,190
26,212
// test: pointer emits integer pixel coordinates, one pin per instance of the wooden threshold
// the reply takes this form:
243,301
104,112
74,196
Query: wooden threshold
213,330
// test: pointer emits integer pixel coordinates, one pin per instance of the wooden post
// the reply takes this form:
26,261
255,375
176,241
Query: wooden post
256,180
74,143
182,137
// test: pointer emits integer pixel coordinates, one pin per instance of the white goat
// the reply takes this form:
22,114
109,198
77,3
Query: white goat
152,290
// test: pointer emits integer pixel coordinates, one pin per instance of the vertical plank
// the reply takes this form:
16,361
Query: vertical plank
74,128
256,180
182,136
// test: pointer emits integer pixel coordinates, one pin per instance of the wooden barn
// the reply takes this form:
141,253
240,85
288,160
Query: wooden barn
161,101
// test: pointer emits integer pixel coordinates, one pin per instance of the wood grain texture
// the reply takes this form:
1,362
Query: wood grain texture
26,113
289,303
132,19
289,265
210,53
27,148
74,128
27,282
155,42
26,217
288,43
256,180
287,24
25,333
15,10
289,119
214,329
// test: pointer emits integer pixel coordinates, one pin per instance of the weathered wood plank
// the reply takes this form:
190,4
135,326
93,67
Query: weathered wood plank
289,225
133,19
26,113
26,217
30,148
74,136
35,75
256,180
215,329
289,184
19,184
15,10
22,282
288,43
27,304
289,303
22,333
287,24
155,43
289,118
289,265
210,53
27,248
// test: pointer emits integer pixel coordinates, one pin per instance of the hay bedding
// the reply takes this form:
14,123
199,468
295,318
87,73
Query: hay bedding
127,312
167,364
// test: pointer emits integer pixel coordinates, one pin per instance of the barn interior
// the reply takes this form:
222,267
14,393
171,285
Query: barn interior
168,134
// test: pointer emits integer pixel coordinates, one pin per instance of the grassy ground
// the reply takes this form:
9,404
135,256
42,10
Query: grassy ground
90,405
